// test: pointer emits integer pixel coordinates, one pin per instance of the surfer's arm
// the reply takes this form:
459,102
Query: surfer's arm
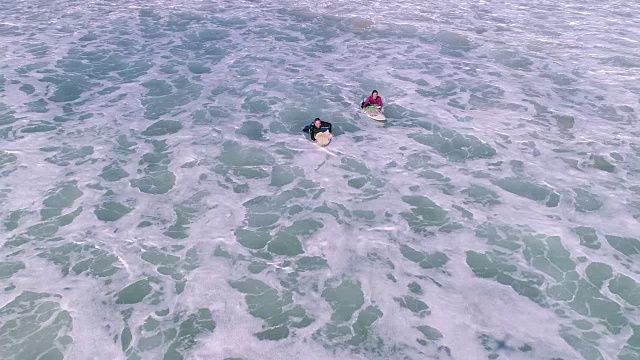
313,137
328,124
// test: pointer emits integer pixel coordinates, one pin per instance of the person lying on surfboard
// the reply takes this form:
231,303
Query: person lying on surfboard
319,126
373,100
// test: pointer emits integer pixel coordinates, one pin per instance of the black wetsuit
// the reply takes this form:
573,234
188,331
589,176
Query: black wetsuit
324,126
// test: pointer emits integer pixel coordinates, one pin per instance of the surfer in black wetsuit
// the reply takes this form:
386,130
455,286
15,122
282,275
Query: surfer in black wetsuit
319,126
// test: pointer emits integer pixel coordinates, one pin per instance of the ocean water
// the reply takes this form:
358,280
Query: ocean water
158,199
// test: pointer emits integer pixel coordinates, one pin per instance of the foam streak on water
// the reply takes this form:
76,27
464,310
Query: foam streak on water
158,200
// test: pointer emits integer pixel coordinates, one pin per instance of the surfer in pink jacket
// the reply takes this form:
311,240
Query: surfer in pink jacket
373,100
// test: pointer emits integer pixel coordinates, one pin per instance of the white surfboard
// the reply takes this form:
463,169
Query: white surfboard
374,113
324,138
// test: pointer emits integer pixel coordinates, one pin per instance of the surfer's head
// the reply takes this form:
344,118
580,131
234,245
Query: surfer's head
374,93
317,122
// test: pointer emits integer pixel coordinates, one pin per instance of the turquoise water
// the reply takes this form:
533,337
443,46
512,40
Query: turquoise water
159,201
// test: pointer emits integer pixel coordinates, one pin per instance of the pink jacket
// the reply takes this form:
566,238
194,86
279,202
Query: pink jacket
371,101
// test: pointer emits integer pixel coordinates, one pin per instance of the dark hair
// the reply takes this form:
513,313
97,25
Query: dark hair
317,119
374,92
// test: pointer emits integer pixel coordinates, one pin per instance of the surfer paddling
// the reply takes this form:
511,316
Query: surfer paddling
319,126
373,100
